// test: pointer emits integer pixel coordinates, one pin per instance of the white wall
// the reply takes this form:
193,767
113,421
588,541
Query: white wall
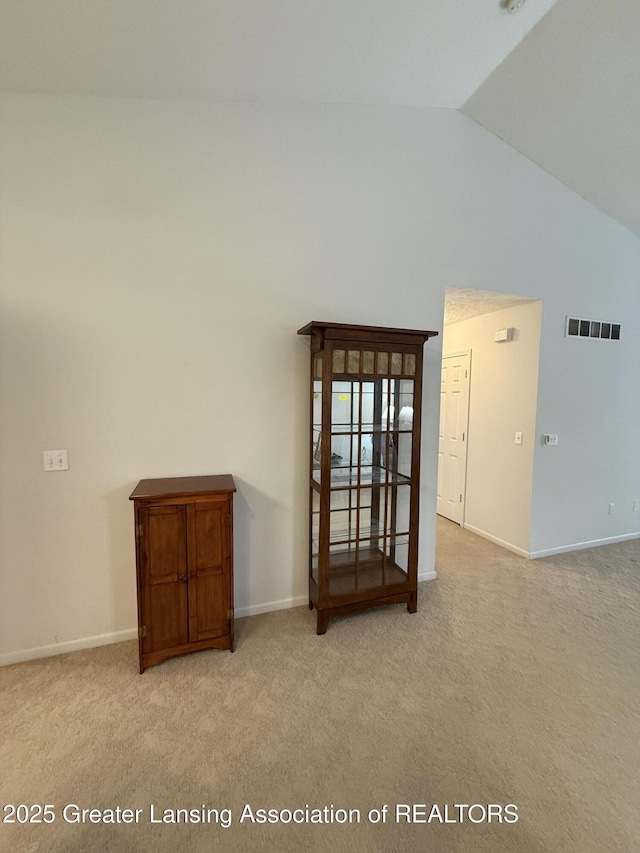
589,398
503,397
156,260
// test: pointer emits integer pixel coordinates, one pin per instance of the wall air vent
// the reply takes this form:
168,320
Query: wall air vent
576,328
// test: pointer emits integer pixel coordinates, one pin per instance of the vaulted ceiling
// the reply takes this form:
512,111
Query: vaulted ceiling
557,80
568,97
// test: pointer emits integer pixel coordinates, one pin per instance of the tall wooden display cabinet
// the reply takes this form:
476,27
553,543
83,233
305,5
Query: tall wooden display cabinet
364,461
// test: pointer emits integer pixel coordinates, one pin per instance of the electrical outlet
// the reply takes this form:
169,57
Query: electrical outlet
56,460
518,438
612,508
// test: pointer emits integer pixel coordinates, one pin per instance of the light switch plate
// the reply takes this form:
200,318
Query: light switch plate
56,460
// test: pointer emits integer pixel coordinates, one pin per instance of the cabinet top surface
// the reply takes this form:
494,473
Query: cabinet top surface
170,487
346,331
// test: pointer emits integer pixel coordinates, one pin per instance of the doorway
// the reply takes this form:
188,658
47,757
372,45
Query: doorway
491,350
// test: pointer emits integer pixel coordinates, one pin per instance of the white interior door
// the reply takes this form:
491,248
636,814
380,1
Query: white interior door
454,428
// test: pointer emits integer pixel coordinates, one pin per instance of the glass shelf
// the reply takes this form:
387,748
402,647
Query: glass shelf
349,477
348,536
366,429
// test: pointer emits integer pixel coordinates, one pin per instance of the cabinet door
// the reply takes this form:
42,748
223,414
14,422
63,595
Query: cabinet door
209,569
164,569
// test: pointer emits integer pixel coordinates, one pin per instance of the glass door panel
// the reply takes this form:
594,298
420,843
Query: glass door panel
342,405
344,451
403,396
396,559
371,434
355,515
343,522
316,428
398,510
315,534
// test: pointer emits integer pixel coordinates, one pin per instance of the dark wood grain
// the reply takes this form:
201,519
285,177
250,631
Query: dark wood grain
367,572
184,565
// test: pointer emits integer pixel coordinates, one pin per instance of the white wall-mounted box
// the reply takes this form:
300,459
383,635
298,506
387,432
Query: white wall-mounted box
503,335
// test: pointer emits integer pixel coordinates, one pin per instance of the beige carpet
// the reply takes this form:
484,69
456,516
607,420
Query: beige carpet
516,682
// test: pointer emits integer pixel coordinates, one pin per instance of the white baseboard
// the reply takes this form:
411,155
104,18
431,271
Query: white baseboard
519,551
132,633
129,634
283,604
427,576
69,646
581,546
286,603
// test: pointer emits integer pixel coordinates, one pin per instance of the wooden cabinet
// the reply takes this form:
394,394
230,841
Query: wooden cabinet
184,565
364,467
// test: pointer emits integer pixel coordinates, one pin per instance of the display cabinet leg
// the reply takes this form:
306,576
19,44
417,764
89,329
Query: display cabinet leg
310,604
412,604
321,625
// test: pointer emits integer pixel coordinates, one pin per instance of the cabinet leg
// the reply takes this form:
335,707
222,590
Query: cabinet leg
321,625
310,604
412,604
